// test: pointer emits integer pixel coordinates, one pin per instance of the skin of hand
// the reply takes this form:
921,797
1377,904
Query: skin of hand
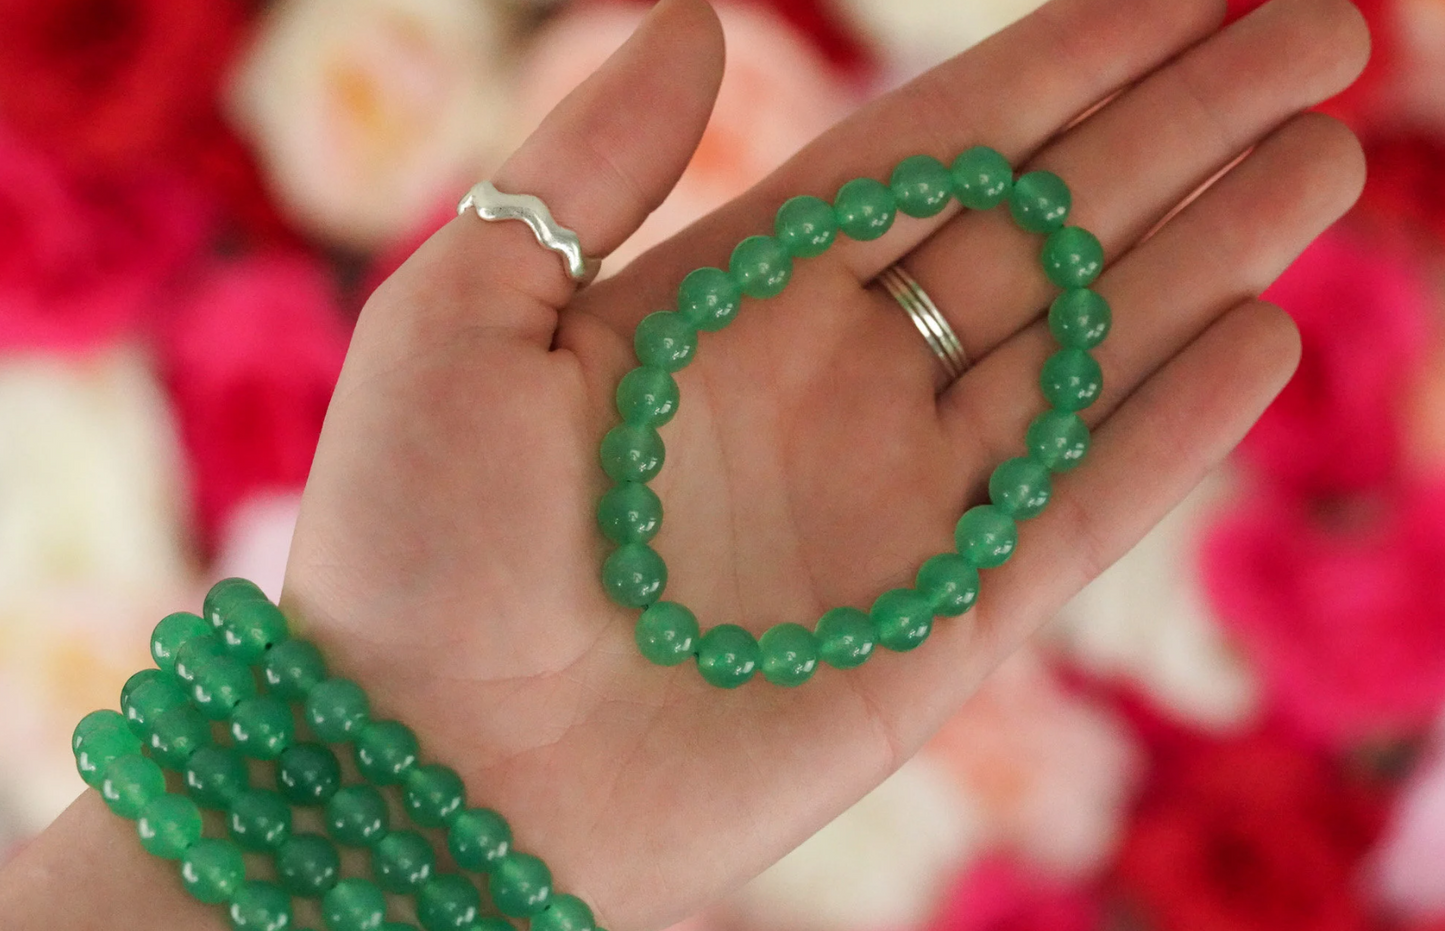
447,555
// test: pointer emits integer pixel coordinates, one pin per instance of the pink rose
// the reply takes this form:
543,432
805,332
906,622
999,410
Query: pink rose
999,895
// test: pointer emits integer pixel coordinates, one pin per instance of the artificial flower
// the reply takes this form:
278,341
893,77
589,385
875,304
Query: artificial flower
1407,869
998,894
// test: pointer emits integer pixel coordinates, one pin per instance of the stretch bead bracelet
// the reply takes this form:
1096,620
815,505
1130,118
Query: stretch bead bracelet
239,665
632,453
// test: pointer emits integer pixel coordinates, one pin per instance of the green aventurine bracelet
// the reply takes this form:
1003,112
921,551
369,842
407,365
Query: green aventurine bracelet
630,513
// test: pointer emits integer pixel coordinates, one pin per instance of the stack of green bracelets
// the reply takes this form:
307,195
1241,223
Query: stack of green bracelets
237,671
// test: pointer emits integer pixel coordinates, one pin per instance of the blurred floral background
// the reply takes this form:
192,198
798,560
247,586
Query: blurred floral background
1241,726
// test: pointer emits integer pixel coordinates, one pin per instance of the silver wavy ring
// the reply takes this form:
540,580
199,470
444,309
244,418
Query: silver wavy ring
926,317
491,204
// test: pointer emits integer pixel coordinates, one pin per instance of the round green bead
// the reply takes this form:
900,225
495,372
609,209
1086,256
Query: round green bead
665,340
1071,380
263,727
212,869
632,454
864,208
789,654
292,669
357,816
354,904
130,782
215,775
846,637
1058,439
949,583
478,839
251,626
629,513
105,719
172,631
986,536
308,865
521,885
177,734
385,752
1080,319
225,595
1072,257
760,266
337,710
728,656
433,794
1040,202
708,298
904,619
566,913
169,825
647,397
982,178
1020,488
99,748
667,633
308,774
448,902
220,685
260,906
146,696
402,861
260,819
634,575
193,654
806,226
921,186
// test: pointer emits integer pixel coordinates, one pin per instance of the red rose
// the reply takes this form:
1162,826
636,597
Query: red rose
1250,835
251,361
999,895
1405,180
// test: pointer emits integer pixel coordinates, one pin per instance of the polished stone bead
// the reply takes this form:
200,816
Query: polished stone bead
433,794
337,710
478,838
1020,488
251,626
220,685
1040,202
146,696
168,825
308,774
105,719
448,902
986,536
1071,380
292,669
260,819
357,816
100,747
130,782
402,861
982,178
1080,319
212,869
354,904
708,298
806,226
727,656
789,654
864,208
193,654
634,575
566,913
385,752
632,454
921,186
215,775
846,637
260,906
521,885
665,340
1058,439
172,631
177,734
263,727
667,633
760,266
1072,257
629,513
904,619
647,397
308,865
949,584
226,594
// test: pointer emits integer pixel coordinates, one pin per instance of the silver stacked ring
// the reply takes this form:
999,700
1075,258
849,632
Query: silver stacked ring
927,318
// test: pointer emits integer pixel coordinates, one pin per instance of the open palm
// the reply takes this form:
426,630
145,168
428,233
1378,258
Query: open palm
447,554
